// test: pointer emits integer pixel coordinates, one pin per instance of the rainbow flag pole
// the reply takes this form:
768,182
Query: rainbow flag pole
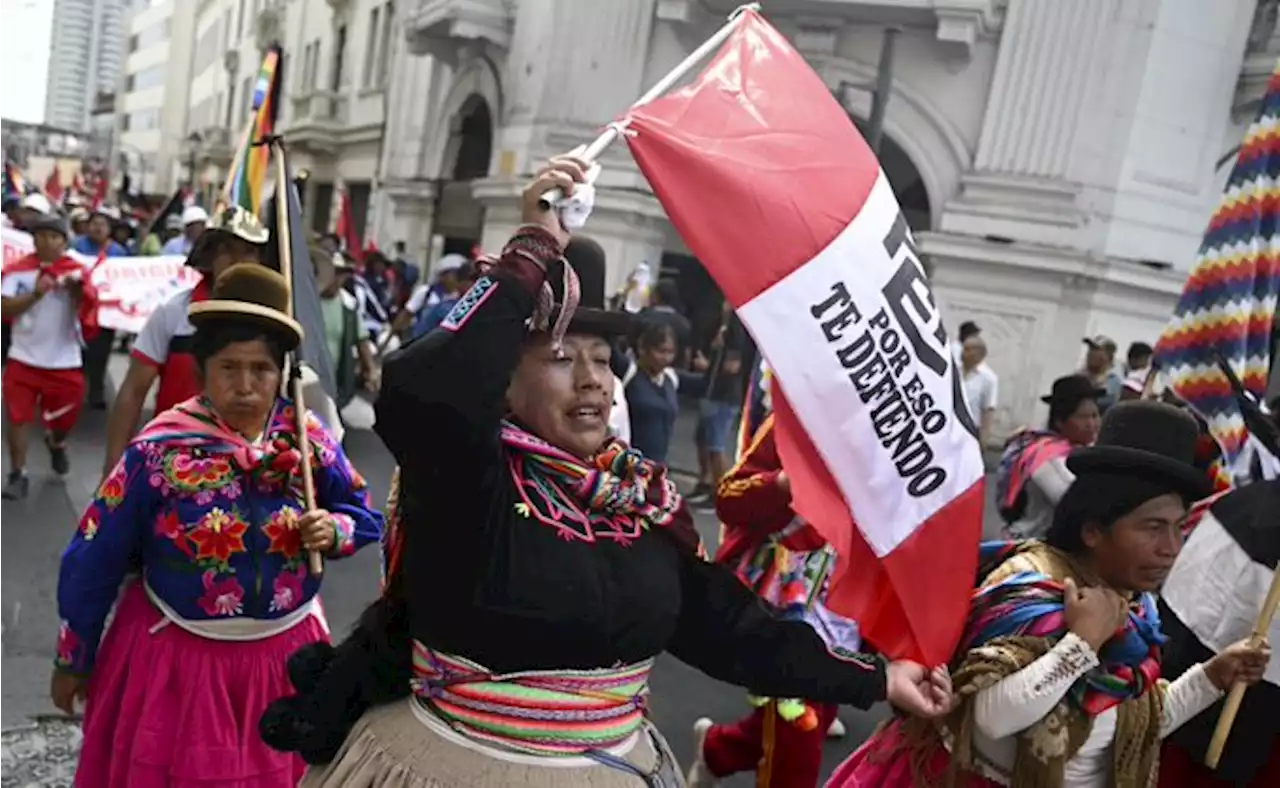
248,176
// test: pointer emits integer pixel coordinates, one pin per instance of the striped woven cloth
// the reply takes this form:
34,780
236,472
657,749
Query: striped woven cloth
1228,305
564,713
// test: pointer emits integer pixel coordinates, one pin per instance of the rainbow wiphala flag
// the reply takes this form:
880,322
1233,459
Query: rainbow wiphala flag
1228,305
248,174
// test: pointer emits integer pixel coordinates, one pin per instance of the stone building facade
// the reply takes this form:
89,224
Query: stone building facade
1058,160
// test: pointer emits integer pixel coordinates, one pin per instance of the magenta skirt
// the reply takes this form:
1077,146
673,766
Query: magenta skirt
884,762
171,709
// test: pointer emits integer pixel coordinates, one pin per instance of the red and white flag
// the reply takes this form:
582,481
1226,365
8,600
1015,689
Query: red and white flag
773,189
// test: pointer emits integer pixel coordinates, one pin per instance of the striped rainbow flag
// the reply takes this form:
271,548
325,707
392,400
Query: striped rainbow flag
248,175
1228,305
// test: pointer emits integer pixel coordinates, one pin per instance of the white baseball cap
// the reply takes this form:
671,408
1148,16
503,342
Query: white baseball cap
37,202
193,214
450,262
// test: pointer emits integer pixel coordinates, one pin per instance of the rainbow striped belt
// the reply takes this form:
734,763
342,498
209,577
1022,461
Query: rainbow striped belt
560,712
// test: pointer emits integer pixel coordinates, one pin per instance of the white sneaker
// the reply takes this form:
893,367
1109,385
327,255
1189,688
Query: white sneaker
836,731
699,775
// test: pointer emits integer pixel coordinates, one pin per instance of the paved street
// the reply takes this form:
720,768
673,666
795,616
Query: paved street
33,533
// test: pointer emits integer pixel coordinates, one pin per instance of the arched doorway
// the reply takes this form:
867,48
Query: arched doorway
459,216
905,179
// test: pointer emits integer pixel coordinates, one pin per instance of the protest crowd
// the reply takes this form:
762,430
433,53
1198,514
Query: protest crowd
539,549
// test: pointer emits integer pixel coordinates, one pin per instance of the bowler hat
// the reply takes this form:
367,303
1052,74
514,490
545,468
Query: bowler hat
250,292
1072,388
1149,438
49,221
587,259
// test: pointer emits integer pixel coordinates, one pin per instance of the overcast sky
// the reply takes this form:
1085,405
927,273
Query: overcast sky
24,57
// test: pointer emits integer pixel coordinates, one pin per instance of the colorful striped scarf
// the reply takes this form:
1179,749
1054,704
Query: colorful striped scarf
617,495
1023,455
1030,604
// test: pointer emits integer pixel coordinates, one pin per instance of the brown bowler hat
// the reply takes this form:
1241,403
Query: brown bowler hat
250,292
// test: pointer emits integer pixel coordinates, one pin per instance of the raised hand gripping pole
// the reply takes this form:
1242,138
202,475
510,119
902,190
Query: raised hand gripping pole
1232,707
613,131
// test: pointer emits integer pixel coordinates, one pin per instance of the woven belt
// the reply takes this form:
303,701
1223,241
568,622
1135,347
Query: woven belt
561,712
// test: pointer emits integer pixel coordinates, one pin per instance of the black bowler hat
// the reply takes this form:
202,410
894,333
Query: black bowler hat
1148,438
1072,388
588,261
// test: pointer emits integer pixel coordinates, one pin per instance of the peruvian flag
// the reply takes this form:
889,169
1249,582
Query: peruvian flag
774,190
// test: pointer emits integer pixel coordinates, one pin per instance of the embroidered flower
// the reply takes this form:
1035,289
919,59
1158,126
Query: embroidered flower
221,597
219,535
169,527
288,590
68,642
89,524
192,473
344,535
111,491
282,530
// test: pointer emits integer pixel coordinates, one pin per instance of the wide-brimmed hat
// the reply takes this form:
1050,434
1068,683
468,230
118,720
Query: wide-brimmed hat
1148,438
236,221
254,293
1073,388
194,214
588,261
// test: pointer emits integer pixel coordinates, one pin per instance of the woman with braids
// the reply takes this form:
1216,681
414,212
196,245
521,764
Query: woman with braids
1033,473
1058,673
208,500
538,566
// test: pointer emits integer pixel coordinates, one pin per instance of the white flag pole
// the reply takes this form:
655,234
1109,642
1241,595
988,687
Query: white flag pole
695,57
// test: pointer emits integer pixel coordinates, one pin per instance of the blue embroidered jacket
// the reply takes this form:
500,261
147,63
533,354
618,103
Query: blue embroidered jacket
214,524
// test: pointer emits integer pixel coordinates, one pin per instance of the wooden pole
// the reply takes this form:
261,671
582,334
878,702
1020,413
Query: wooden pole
315,561
1232,707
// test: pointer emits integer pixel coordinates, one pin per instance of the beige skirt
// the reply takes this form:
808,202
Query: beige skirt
402,745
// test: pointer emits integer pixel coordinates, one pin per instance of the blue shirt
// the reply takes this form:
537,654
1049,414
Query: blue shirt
432,316
179,244
85,245
217,540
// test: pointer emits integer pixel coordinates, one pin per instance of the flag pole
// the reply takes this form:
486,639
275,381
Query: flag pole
614,130
1231,708
315,561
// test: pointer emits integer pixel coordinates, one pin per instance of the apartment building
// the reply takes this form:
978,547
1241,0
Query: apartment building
151,106
336,68
86,53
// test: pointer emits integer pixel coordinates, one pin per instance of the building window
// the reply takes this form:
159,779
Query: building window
371,47
384,48
339,56
150,35
142,120
144,79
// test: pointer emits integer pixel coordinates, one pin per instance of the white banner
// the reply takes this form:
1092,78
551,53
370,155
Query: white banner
129,288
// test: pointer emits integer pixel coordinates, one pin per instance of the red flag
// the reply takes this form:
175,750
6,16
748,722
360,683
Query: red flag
53,186
345,227
774,190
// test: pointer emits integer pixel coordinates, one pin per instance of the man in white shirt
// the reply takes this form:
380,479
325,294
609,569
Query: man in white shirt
981,384
45,298
194,222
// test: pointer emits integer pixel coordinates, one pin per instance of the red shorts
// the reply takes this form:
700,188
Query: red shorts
59,393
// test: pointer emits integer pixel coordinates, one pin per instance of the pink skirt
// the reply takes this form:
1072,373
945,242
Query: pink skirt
883,761
171,709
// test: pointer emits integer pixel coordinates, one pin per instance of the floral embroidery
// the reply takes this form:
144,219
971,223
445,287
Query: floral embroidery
288,590
89,523
222,597
111,491
219,535
282,530
168,526
205,477
68,642
344,542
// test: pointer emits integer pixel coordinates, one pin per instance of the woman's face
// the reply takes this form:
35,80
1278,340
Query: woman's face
1081,427
564,396
242,380
1137,552
657,356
